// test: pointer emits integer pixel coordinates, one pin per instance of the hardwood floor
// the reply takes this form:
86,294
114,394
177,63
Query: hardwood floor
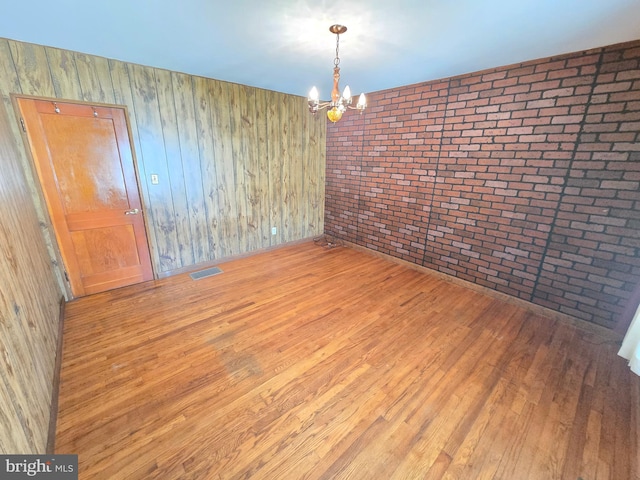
305,362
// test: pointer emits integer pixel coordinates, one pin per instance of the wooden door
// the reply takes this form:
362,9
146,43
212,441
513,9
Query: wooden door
84,162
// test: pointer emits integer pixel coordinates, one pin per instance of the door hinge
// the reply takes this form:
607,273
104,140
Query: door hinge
24,128
66,276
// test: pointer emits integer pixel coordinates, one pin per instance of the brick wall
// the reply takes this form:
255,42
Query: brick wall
524,179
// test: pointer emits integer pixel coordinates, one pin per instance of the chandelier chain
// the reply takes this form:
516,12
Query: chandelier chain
336,62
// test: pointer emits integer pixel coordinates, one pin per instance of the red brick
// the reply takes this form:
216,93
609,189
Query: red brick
517,72
549,102
538,77
494,76
583,60
517,89
619,66
567,72
576,81
558,92
505,83
612,87
557,65
545,85
567,119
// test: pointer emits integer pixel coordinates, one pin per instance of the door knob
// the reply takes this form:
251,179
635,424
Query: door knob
133,211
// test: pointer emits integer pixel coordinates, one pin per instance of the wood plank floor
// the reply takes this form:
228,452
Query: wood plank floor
305,362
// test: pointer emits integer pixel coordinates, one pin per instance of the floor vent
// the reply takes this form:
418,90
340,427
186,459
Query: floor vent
207,272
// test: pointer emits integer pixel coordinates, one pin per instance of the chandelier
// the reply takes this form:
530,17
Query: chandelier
339,103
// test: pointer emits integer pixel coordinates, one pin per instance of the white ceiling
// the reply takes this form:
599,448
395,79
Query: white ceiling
285,45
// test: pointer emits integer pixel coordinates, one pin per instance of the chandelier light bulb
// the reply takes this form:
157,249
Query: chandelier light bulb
347,94
362,102
313,95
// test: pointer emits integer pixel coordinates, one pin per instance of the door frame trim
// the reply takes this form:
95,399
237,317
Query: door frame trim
34,180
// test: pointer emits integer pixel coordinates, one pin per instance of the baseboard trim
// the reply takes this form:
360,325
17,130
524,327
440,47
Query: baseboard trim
604,333
55,390
218,261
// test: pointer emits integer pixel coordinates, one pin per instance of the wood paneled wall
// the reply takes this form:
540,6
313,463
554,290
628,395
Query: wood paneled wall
233,161
29,309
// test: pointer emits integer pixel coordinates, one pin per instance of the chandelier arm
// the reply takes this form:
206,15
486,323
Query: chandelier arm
323,105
